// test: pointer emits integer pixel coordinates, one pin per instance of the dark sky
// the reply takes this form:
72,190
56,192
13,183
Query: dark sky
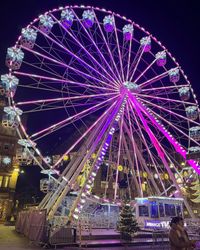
174,22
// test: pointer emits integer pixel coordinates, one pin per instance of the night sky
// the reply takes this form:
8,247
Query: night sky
174,23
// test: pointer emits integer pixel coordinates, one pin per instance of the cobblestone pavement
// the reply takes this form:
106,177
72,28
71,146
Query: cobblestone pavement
10,240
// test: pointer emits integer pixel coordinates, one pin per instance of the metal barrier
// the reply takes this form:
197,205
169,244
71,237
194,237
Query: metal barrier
63,236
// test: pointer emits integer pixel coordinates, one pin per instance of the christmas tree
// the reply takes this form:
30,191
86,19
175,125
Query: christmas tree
127,224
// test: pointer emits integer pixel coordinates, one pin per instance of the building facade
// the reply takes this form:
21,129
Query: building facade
9,171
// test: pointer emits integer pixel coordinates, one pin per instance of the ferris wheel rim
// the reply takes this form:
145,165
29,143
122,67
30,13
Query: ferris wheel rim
128,20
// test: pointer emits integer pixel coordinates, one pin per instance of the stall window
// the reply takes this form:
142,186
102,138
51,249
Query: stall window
154,210
178,210
161,210
170,210
143,211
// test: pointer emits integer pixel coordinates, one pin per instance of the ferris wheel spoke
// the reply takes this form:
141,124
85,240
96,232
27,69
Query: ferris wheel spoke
165,87
139,154
62,99
180,131
146,69
130,134
129,58
119,51
165,99
54,126
92,69
170,112
179,149
108,49
60,80
118,155
136,61
75,38
70,121
115,106
66,66
155,142
154,79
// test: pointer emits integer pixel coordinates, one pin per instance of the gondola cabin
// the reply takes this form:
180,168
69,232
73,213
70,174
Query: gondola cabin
156,212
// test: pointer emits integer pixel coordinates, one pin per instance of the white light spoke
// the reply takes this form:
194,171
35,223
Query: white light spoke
52,127
53,79
72,54
62,99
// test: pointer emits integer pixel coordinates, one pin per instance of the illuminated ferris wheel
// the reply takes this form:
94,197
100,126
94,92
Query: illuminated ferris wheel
105,85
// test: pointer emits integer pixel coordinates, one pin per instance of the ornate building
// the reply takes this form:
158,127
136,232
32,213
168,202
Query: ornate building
8,170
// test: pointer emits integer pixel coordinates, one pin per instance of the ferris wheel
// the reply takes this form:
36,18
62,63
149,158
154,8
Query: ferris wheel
98,85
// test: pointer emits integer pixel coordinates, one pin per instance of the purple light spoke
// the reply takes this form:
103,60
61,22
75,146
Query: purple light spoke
87,52
137,62
108,48
148,67
155,142
130,133
118,154
142,137
69,122
154,79
69,52
165,99
129,57
166,87
62,99
172,140
66,66
142,160
172,125
39,88
108,122
119,51
60,80
69,118
169,111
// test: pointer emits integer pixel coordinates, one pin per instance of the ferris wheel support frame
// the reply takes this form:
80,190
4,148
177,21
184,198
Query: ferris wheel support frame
110,121
159,149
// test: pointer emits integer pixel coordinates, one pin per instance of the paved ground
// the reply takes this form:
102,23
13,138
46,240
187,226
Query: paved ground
10,240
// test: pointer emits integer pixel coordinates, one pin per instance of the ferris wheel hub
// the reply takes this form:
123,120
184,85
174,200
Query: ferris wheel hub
133,87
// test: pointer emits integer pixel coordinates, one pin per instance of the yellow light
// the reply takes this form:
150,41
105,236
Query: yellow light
94,156
166,176
16,170
182,163
143,187
66,158
145,174
120,168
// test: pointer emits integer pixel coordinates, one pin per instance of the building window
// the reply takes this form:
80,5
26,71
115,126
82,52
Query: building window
6,146
1,181
104,184
5,181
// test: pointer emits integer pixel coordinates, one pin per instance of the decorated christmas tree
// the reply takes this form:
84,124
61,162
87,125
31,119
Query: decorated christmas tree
127,224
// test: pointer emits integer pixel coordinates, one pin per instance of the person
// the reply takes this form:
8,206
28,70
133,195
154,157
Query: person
178,236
